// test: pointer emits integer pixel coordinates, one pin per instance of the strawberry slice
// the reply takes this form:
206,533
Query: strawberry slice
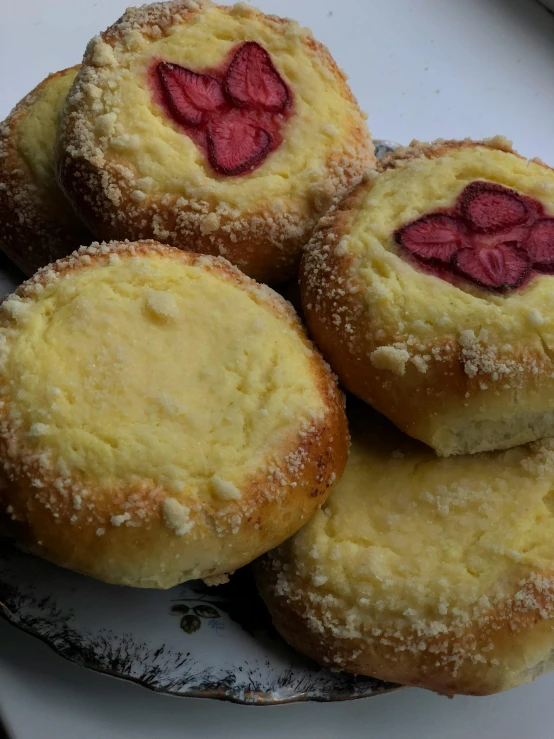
499,267
488,207
188,94
236,143
435,236
252,80
540,244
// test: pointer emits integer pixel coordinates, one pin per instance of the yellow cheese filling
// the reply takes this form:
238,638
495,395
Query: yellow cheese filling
405,530
151,369
135,130
35,132
431,307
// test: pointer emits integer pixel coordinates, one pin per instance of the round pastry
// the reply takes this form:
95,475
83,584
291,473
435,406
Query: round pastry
37,224
212,128
426,571
162,416
429,290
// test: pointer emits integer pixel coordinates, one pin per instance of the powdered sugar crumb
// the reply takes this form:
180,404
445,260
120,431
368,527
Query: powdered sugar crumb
176,516
390,358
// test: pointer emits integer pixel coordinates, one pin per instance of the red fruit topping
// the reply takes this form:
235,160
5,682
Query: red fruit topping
499,267
234,114
493,237
252,80
236,143
188,94
488,207
435,236
540,243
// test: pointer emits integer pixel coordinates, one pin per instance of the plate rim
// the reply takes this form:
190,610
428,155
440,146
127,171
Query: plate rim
250,697
238,695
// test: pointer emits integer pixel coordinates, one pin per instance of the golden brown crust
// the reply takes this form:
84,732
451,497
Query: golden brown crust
510,646
35,229
265,243
443,384
43,517
440,147
428,572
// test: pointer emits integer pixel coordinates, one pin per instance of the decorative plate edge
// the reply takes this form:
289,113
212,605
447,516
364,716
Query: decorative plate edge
243,697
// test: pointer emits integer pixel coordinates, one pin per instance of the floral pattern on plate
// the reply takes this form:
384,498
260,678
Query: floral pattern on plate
139,635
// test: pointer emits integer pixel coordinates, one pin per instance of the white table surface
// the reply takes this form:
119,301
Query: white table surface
422,69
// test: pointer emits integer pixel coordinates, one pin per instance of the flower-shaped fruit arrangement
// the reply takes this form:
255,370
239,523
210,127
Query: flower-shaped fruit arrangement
234,114
494,237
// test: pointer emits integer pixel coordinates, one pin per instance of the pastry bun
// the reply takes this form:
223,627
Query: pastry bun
37,224
425,571
162,416
430,292
213,128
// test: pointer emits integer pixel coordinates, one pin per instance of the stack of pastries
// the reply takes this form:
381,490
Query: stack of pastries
164,415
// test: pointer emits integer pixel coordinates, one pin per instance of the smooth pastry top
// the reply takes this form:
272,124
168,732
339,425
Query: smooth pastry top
34,134
36,131
186,98
151,368
412,551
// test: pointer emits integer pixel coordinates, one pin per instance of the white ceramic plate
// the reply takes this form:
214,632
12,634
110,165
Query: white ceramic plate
191,641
